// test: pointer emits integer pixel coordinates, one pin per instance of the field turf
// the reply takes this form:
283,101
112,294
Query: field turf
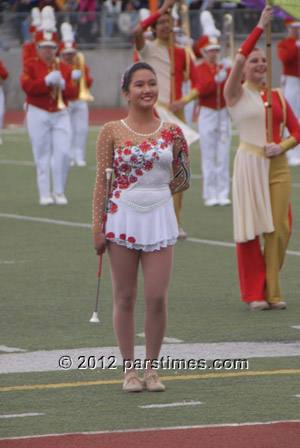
48,271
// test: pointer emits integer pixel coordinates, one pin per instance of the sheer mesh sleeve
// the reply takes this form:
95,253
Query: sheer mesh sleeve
104,155
181,163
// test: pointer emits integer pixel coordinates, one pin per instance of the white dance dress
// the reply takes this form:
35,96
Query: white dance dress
140,211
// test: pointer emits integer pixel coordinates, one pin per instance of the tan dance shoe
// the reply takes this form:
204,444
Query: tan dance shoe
258,305
132,383
278,306
181,234
152,383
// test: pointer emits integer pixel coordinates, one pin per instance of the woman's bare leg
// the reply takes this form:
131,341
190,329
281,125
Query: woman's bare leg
157,267
124,271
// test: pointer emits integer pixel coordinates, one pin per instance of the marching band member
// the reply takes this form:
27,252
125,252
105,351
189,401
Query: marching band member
214,124
288,51
3,76
157,53
261,185
78,108
29,49
144,13
46,82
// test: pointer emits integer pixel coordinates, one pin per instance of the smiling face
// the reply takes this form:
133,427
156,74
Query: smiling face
143,89
162,27
256,67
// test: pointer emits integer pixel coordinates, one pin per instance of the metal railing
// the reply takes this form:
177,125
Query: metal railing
99,30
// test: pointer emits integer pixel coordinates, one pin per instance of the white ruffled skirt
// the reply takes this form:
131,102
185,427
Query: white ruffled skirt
146,230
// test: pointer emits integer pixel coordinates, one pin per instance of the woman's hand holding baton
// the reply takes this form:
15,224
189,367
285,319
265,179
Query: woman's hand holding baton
100,243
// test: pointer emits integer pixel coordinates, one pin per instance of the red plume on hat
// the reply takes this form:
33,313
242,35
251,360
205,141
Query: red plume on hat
291,22
210,39
36,20
47,35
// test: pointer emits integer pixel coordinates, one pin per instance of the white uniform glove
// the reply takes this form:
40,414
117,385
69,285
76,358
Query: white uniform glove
221,76
226,62
53,78
62,83
76,75
298,43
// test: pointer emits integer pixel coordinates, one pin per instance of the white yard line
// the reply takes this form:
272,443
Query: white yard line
91,167
88,226
32,414
44,220
4,348
166,428
15,162
166,340
170,405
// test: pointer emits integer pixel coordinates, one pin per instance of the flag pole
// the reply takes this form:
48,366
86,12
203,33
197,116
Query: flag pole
269,82
172,59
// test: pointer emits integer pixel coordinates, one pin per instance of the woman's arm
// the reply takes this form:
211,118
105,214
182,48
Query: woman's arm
181,162
104,154
233,87
138,32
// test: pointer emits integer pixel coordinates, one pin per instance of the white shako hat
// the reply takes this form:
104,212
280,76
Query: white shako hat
67,43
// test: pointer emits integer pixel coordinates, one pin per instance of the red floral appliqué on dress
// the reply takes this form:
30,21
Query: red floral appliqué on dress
133,160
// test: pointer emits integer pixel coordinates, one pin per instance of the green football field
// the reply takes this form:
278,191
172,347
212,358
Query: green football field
48,279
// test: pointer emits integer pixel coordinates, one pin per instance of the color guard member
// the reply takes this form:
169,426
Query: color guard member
157,53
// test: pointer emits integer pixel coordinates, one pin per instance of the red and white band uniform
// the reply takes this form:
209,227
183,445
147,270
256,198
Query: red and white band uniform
29,50
214,128
49,127
3,76
78,107
79,115
288,51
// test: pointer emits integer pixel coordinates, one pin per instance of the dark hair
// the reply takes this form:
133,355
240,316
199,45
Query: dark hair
153,26
127,75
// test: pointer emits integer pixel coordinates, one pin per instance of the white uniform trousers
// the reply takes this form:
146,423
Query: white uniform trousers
79,115
189,107
214,128
2,108
290,86
50,135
